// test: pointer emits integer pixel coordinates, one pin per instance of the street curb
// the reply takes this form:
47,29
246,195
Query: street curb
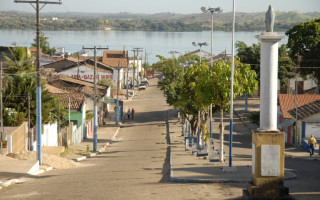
15,181
40,171
99,151
9,182
173,179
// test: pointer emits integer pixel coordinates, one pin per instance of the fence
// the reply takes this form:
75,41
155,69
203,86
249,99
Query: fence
17,140
65,136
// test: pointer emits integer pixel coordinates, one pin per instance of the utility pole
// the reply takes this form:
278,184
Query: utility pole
95,110
127,76
145,63
39,116
1,109
134,69
29,132
117,103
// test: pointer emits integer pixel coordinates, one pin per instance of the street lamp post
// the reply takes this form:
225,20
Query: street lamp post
231,95
173,54
211,10
200,44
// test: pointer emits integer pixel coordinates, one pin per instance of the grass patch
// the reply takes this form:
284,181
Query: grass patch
66,152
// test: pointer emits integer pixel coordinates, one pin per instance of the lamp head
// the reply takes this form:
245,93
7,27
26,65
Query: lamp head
219,9
204,9
194,44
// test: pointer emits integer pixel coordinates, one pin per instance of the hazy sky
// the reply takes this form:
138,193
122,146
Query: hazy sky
174,6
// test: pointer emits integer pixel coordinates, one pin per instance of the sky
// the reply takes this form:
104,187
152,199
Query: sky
159,6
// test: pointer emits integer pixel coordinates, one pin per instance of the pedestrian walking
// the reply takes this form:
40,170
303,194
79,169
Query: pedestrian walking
128,114
132,112
312,144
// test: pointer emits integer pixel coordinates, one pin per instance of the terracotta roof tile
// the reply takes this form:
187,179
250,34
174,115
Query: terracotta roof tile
72,85
55,90
115,58
286,102
306,110
119,62
76,100
61,65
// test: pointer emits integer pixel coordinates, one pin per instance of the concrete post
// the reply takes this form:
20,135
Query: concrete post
268,80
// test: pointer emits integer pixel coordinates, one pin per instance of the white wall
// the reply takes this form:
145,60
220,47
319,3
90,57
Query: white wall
307,84
50,135
313,128
86,73
115,77
313,118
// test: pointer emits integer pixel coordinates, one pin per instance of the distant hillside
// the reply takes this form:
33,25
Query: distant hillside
151,22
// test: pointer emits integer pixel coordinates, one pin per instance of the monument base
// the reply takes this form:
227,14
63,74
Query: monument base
267,167
266,192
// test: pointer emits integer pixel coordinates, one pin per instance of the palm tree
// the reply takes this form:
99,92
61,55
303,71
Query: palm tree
19,61
19,81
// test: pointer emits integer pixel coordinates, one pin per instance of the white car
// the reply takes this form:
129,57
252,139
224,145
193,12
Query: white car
142,86
149,76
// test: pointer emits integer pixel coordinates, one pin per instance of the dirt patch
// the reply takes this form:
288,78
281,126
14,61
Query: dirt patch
47,159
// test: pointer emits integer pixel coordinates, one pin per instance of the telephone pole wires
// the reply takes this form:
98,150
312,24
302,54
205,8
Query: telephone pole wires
95,110
39,116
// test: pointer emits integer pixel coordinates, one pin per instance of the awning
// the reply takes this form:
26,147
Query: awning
286,123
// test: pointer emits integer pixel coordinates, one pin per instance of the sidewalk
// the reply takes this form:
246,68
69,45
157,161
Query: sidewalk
13,170
186,167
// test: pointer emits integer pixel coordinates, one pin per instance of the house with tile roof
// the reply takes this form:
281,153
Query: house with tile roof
75,104
115,58
286,121
84,70
308,119
83,91
120,59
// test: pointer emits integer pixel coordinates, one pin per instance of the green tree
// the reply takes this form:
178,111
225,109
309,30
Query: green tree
286,67
249,55
19,81
44,44
304,45
199,86
16,97
19,60
215,87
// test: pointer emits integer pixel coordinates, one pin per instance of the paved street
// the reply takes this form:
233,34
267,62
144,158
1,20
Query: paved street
136,165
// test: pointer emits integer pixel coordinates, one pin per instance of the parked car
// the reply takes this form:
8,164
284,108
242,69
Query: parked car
142,86
149,76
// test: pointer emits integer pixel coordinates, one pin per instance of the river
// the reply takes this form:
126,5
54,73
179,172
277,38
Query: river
155,43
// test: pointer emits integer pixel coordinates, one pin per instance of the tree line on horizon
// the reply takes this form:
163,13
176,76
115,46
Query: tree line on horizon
153,22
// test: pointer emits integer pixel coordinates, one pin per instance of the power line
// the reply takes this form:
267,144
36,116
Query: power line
95,126
39,115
